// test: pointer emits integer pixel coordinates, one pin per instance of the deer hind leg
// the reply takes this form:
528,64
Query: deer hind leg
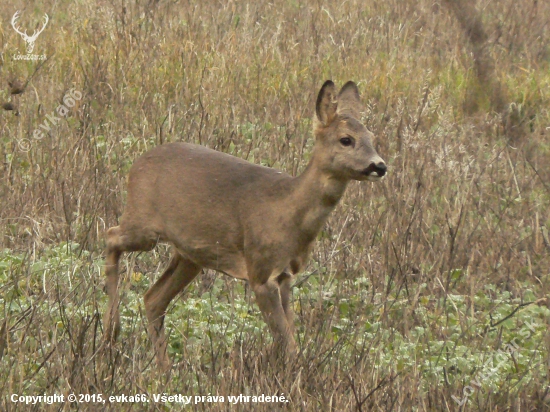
284,280
269,299
118,241
179,273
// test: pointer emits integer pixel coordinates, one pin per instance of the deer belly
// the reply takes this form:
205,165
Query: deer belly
228,261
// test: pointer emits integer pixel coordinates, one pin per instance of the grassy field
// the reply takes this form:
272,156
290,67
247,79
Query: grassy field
428,291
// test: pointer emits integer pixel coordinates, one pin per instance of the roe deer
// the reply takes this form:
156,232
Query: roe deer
245,220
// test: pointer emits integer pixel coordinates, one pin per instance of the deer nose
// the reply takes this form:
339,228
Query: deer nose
380,168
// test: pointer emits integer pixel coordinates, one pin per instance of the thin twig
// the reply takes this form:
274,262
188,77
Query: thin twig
521,305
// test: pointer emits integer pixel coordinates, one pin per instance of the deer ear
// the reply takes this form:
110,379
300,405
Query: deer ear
326,103
349,101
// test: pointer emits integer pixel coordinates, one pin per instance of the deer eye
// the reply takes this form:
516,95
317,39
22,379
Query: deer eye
347,141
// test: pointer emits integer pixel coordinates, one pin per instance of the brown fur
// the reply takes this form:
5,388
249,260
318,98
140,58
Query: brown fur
245,220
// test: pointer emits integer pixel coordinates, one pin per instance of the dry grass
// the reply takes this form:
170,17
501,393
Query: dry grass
411,281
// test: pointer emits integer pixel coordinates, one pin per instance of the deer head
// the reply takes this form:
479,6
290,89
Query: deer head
28,39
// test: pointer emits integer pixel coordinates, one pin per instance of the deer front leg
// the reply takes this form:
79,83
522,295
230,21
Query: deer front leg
268,297
284,280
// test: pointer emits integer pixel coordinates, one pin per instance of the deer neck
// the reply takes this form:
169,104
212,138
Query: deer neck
315,194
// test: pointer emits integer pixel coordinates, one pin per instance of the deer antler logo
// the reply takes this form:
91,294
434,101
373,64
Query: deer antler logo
28,39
